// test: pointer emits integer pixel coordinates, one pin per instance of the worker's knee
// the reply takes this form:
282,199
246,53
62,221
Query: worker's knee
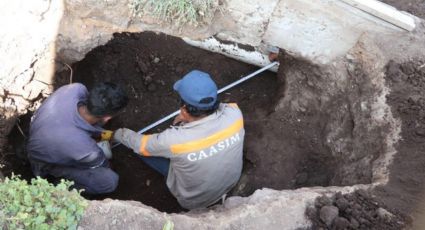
105,181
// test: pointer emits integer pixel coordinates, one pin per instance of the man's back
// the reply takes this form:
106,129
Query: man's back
206,156
58,134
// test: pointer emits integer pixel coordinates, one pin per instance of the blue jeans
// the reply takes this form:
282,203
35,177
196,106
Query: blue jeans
159,164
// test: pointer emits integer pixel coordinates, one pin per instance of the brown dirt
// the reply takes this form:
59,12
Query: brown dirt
305,127
407,100
358,210
147,65
301,128
415,7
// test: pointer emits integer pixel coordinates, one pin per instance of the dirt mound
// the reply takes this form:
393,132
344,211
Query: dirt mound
358,210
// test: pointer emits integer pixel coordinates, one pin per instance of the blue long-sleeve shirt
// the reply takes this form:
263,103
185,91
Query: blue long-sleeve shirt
60,136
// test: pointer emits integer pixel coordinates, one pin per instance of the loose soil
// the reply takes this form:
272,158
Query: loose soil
358,210
407,99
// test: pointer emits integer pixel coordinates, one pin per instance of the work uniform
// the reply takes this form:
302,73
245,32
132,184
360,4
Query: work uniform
205,155
61,143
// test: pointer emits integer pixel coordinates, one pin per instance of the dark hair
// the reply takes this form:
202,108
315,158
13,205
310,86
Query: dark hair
198,112
106,98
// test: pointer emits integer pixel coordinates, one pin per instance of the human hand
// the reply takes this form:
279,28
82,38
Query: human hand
106,135
128,138
118,135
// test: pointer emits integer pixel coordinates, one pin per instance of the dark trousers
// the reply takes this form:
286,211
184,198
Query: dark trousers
94,181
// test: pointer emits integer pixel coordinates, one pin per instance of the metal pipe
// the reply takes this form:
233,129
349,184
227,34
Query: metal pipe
219,91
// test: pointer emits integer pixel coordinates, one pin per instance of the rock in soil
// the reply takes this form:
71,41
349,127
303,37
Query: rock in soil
328,214
342,203
340,223
384,214
361,212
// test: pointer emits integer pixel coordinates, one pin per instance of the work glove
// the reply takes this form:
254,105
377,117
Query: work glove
106,135
106,148
128,138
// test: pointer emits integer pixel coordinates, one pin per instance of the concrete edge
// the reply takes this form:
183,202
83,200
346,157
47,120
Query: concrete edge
384,12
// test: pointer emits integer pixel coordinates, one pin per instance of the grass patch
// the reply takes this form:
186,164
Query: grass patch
177,12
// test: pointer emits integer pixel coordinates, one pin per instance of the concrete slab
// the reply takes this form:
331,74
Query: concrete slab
250,19
321,30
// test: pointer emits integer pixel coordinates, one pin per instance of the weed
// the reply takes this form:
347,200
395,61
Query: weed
39,205
178,12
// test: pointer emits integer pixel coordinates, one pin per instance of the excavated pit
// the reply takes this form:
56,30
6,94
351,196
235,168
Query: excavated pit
305,126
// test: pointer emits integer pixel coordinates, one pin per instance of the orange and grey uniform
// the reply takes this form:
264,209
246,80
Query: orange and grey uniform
205,155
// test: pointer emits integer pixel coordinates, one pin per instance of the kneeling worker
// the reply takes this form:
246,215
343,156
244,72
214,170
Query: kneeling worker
62,132
201,155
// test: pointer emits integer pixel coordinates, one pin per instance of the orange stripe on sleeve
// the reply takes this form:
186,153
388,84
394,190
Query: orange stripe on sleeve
143,150
207,141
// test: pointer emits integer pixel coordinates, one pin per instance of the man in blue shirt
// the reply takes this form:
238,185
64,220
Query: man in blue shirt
63,132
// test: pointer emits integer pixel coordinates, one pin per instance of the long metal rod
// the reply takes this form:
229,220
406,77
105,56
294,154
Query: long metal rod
219,91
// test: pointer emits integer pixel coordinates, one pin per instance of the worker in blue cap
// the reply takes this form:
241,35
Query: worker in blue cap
201,154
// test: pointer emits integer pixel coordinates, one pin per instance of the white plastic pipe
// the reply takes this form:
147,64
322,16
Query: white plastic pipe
233,51
219,91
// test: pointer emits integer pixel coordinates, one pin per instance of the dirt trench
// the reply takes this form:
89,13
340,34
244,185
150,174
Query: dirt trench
306,125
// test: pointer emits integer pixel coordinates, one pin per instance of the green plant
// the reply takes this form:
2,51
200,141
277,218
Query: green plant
169,225
179,12
39,205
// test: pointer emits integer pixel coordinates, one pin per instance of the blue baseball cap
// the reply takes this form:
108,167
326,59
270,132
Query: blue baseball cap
197,89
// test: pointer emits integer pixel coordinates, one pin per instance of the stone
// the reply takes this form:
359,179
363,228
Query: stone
323,201
148,80
156,60
364,222
384,214
340,223
328,213
342,203
142,67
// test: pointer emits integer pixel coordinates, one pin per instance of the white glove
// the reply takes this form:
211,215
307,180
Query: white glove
106,148
128,138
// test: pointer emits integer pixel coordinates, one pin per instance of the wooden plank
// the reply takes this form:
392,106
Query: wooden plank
384,12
